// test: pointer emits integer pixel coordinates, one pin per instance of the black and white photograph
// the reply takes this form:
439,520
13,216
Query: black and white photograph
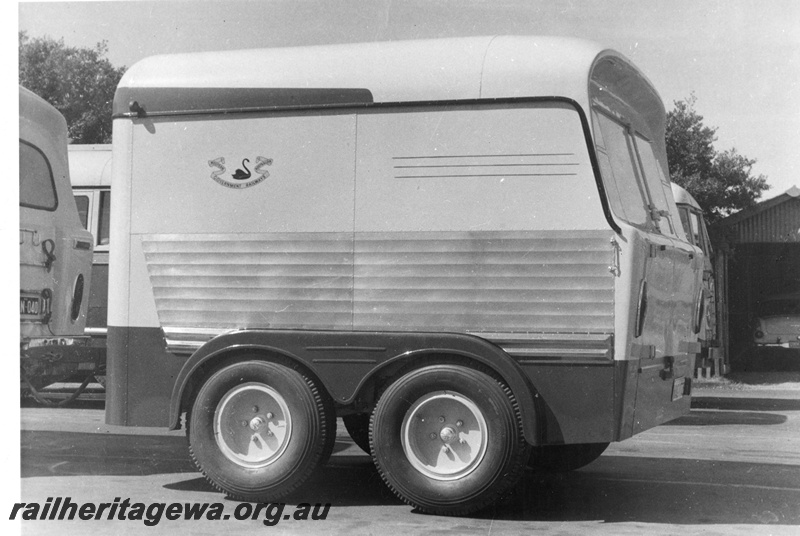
405,267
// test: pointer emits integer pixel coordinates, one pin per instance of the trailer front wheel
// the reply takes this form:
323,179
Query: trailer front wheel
448,439
258,429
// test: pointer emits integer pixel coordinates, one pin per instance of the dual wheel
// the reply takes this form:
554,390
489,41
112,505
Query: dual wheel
445,438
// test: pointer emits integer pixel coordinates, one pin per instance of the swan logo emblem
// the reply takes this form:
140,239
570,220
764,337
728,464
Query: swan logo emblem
243,177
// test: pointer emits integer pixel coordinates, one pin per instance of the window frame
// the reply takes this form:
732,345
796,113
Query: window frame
653,215
54,208
656,214
95,196
625,126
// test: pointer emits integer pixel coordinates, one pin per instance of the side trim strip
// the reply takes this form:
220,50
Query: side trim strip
562,348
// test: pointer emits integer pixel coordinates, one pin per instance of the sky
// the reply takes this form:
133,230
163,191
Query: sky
740,58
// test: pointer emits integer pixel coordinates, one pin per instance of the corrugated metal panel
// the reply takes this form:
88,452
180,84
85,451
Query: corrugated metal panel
228,281
779,223
547,281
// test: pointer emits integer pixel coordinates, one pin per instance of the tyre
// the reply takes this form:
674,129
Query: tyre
257,430
448,439
357,426
563,458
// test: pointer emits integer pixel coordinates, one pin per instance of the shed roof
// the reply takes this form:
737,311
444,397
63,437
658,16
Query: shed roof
773,220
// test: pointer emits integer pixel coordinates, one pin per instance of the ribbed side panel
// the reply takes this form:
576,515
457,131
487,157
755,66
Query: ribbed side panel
543,281
290,280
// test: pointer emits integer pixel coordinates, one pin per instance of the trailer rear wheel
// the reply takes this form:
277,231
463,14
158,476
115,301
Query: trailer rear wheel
257,430
448,439
563,458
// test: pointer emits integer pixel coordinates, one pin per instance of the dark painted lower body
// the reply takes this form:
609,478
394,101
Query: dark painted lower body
578,402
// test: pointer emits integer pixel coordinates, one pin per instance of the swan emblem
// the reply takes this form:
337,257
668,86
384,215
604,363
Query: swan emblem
244,177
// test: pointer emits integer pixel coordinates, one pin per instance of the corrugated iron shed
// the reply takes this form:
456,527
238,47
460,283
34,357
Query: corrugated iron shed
775,220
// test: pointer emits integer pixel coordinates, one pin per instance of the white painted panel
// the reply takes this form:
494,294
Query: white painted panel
307,181
522,167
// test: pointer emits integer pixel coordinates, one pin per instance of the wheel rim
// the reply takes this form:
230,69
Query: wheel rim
444,435
252,425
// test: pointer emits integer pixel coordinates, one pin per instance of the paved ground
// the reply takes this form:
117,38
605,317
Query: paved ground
730,467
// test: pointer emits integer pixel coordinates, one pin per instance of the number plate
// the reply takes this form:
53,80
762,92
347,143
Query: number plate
33,306
677,388
60,341
29,306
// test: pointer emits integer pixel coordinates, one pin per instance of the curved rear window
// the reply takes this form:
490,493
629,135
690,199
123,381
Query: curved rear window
616,157
37,189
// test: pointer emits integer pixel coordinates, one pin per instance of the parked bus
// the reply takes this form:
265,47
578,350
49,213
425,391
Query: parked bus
55,253
466,248
694,225
90,172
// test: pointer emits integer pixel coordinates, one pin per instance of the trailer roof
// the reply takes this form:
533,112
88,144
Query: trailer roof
363,73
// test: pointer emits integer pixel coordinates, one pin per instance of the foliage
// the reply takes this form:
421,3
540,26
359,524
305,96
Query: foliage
721,182
79,82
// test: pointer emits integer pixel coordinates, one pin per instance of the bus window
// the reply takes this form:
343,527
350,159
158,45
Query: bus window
82,202
103,218
697,233
624,191
684,212
36,186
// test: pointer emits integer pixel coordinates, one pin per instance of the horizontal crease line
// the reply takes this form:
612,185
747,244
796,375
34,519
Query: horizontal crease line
486,175
480,156
450,166
481,314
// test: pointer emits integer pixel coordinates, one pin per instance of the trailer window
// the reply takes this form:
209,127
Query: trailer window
687,226
697,230
37,189
656,184
615,154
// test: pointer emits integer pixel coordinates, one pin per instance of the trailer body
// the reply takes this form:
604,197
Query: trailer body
360,213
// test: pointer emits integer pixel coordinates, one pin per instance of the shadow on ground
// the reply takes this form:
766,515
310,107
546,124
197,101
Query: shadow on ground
613,489
714,418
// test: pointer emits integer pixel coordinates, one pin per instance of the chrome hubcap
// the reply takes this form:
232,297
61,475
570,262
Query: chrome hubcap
252,425
444,435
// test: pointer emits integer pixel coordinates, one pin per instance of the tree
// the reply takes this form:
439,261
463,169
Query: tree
79,82
721,182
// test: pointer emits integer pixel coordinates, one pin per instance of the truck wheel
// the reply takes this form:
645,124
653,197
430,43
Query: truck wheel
257,430
447,439
563,458
357,426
